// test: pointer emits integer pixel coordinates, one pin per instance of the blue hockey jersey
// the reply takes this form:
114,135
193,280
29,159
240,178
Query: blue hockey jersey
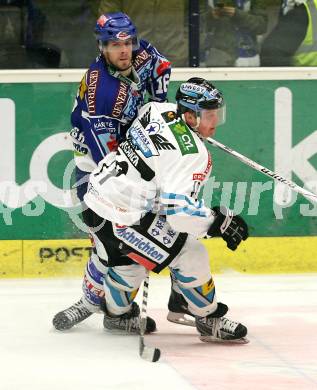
107,102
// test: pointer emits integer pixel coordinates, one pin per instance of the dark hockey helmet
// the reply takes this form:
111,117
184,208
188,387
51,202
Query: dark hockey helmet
116,26
198,94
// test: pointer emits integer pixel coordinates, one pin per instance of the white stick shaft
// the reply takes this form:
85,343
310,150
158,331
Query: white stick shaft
144,304
307,194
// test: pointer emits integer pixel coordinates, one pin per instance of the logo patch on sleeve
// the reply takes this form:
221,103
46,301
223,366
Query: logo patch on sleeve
184,138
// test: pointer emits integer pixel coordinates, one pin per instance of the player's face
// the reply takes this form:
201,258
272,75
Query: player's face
209,119
119,53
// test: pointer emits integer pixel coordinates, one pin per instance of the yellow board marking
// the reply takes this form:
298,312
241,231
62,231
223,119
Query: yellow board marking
50,258
11,262
257,255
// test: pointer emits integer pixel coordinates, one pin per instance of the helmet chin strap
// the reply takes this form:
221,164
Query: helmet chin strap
198,122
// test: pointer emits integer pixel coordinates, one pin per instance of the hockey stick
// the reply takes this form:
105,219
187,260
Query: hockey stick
147,353
307,194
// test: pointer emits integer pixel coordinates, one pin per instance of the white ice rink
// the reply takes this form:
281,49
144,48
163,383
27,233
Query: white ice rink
279,311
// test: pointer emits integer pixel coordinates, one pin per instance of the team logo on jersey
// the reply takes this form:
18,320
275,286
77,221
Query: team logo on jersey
153,128
184,138
145,118
161,143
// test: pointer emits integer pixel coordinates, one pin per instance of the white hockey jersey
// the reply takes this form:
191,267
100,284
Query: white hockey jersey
159,168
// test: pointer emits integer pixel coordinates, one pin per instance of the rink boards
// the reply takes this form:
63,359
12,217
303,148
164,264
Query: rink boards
66,258
271,119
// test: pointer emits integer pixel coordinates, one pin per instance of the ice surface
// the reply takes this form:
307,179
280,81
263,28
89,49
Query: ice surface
279,311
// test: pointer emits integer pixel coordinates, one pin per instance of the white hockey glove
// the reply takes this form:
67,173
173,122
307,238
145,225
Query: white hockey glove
230,227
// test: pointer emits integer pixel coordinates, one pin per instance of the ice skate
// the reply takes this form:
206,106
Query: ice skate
75,314
128,322
221,329
178,310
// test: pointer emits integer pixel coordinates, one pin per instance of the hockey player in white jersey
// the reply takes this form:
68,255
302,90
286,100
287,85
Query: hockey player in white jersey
147,215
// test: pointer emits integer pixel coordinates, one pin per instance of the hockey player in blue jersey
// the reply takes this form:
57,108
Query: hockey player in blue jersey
114,88
108,99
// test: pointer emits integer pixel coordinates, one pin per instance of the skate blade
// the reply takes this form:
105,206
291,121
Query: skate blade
180,318
212,339
123,332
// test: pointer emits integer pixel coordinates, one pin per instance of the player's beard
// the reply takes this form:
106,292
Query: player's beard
124,69
117,65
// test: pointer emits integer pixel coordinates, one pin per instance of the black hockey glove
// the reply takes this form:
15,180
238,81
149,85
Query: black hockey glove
231,228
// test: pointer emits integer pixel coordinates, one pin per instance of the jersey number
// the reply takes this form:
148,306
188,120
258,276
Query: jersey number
162,83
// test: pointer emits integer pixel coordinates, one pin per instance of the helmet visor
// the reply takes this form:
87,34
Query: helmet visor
216,116
121,37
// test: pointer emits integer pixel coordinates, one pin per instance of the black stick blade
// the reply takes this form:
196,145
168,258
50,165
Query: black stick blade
148,353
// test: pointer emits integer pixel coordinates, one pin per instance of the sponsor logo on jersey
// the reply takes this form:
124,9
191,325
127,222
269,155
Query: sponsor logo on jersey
120,100
209,163
99,125
122,36
162,231
140,139
169,116
141,244
145,171
77,134
199,176
106,126
129,151
93,80
79,149
184,138
142,58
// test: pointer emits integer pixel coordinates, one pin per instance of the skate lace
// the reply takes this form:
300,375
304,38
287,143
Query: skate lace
131,320
131,324
77,311
227,325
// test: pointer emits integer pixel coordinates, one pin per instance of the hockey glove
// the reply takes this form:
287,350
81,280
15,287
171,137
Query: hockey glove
231,228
